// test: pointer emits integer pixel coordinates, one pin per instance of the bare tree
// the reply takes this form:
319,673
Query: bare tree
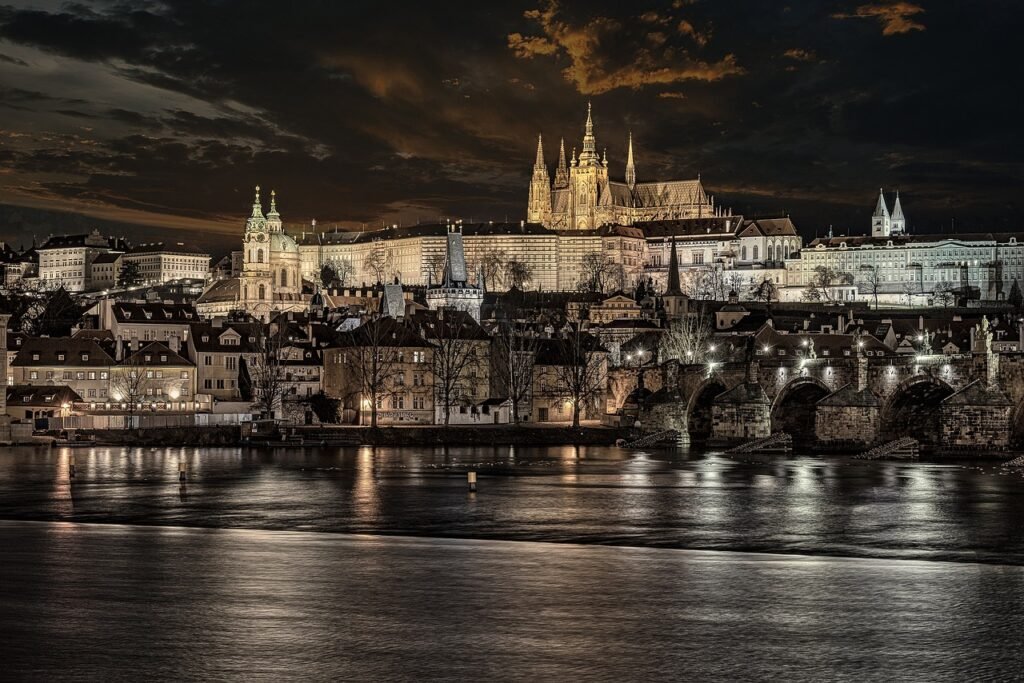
687,339
377,262
493,263
871,281
128,384
820,287
517,273
262,372
435,267
597,273
513,361
910,290
371,355
581,374
344,271
457,339
765,291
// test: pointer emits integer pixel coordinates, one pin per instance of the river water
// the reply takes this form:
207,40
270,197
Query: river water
803,568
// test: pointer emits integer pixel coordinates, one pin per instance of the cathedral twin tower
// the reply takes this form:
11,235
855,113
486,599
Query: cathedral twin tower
582,197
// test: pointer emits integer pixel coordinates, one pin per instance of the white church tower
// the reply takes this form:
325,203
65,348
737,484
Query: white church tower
899,221
884,224
881,222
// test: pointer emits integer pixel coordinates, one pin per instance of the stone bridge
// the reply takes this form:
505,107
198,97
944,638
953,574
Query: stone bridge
852,401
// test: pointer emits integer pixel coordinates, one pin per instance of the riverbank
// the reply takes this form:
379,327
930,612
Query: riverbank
433,435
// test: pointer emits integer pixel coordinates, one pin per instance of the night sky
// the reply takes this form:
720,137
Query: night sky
165,114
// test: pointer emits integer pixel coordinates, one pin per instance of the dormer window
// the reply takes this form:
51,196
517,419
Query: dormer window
60,356
85,356
163,357
206,338
35,356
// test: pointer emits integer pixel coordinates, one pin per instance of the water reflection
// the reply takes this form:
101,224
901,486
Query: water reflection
584,494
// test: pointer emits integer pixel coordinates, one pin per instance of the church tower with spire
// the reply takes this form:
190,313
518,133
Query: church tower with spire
630,168
587,177
899,221
539,209
881,222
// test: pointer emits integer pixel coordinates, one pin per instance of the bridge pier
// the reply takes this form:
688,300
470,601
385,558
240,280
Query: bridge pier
848,418
977,416
740,414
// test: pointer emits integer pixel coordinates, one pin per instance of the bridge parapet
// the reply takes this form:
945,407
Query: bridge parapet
854,400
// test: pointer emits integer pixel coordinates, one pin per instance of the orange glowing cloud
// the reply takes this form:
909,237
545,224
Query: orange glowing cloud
595,68
895,17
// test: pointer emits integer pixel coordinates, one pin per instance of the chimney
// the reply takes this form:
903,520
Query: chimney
119,349
174,343
135,343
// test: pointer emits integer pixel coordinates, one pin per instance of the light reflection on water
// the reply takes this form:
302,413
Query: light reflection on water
837,506
114,602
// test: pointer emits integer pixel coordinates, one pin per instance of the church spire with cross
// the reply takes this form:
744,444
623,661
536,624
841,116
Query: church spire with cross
630,168
588,156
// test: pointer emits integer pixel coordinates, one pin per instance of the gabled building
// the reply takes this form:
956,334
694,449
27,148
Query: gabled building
144,321
217,349
386,363
82,364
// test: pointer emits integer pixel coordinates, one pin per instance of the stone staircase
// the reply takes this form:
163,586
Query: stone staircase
776,444
669,437
905,448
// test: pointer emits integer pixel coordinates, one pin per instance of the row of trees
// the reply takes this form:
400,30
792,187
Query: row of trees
373,360
499,270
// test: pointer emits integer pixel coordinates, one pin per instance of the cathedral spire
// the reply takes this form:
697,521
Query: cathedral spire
588,157
273,204
539,163
562,170
674,287
630,168
257,207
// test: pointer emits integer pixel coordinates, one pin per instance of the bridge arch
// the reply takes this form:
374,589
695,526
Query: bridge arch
1017,425
794,408
912,409
698,409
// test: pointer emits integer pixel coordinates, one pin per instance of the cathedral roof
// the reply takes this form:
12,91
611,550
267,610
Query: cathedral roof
668,193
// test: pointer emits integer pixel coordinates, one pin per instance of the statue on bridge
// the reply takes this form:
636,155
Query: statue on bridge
811,353
926,343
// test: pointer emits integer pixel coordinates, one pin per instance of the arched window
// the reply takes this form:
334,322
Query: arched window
245,292
263,291
284,277
259,257
755,252
743,254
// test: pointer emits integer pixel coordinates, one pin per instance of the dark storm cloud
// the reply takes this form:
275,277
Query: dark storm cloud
175,109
